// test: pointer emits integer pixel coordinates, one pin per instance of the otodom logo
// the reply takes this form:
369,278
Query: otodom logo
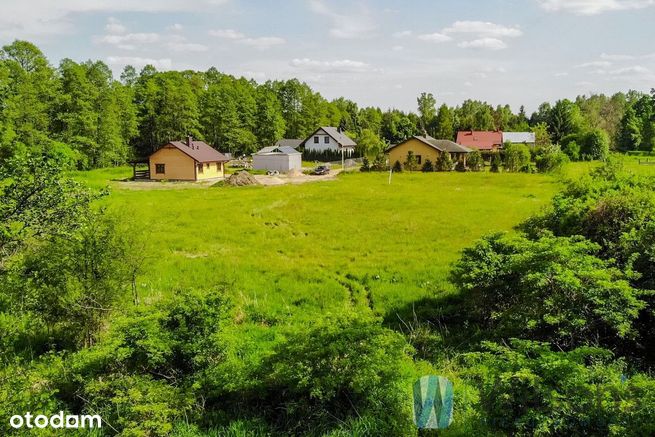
56,421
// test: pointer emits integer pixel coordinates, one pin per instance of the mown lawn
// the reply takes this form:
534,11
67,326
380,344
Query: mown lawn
290,253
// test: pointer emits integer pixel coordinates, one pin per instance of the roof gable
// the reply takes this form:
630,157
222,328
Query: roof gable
342,139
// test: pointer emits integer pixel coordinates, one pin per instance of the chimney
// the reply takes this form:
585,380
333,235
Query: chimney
189,141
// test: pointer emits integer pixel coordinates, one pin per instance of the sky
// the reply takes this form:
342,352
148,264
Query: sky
378,53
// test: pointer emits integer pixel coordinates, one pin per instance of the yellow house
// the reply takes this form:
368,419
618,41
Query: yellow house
187,161
426,148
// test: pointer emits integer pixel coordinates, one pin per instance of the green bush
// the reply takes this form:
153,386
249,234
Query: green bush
581,298
527,389
475,161
496,163
444,162
550,158
339,371
427,166
517,157
397,167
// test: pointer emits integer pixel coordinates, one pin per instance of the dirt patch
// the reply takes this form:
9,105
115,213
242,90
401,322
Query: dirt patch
295,178
241,179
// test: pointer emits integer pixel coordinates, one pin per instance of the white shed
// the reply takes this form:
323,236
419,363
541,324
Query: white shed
277,158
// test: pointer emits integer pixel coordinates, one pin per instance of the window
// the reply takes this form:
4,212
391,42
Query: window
419,158
315,140
200,168
208,166
160,168
327,140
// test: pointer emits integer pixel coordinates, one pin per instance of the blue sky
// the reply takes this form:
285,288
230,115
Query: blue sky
381,53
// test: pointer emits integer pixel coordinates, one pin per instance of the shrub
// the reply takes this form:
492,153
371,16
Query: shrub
550,158
366,166
411,164
572,150
427,166
444,162
527,389
341,370
475,161
517,157
596,145
581,298
397,167
496,163
460,166
379,163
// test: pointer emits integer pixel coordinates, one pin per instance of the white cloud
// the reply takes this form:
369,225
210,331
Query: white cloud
187,47
264,42
398,48
483,28
338,66
137,62
357,23
561,74
27,19
434,37
261,43
594,64
131,38
484,43
593,7
176,27
227,34
114,26
628,71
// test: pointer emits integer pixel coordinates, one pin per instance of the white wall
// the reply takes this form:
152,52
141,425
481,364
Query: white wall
322,146
277,162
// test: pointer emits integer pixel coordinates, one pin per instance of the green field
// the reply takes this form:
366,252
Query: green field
289,253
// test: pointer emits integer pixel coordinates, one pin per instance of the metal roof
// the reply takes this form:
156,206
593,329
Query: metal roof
289,142
285,150
519,137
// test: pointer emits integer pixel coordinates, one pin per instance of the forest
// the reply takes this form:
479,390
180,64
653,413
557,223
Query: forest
95,120
544,322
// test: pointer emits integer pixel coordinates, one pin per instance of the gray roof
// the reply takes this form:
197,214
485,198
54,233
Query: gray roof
440,145
284,150
519,137
288,142
342,139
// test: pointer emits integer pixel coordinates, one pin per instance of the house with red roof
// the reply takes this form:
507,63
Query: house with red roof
484,141
187,161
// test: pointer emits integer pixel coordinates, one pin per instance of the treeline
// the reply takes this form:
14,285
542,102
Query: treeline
79,110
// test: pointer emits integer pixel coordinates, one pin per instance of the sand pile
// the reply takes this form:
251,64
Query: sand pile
241,179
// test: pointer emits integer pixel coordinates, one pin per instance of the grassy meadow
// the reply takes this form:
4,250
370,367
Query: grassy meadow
289,253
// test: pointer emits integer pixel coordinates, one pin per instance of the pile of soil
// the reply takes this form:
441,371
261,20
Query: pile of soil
241,179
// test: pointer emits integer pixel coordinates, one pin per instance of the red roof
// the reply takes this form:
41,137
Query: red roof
480,140
200,151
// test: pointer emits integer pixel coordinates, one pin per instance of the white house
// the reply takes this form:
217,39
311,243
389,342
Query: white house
277,158
329,140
